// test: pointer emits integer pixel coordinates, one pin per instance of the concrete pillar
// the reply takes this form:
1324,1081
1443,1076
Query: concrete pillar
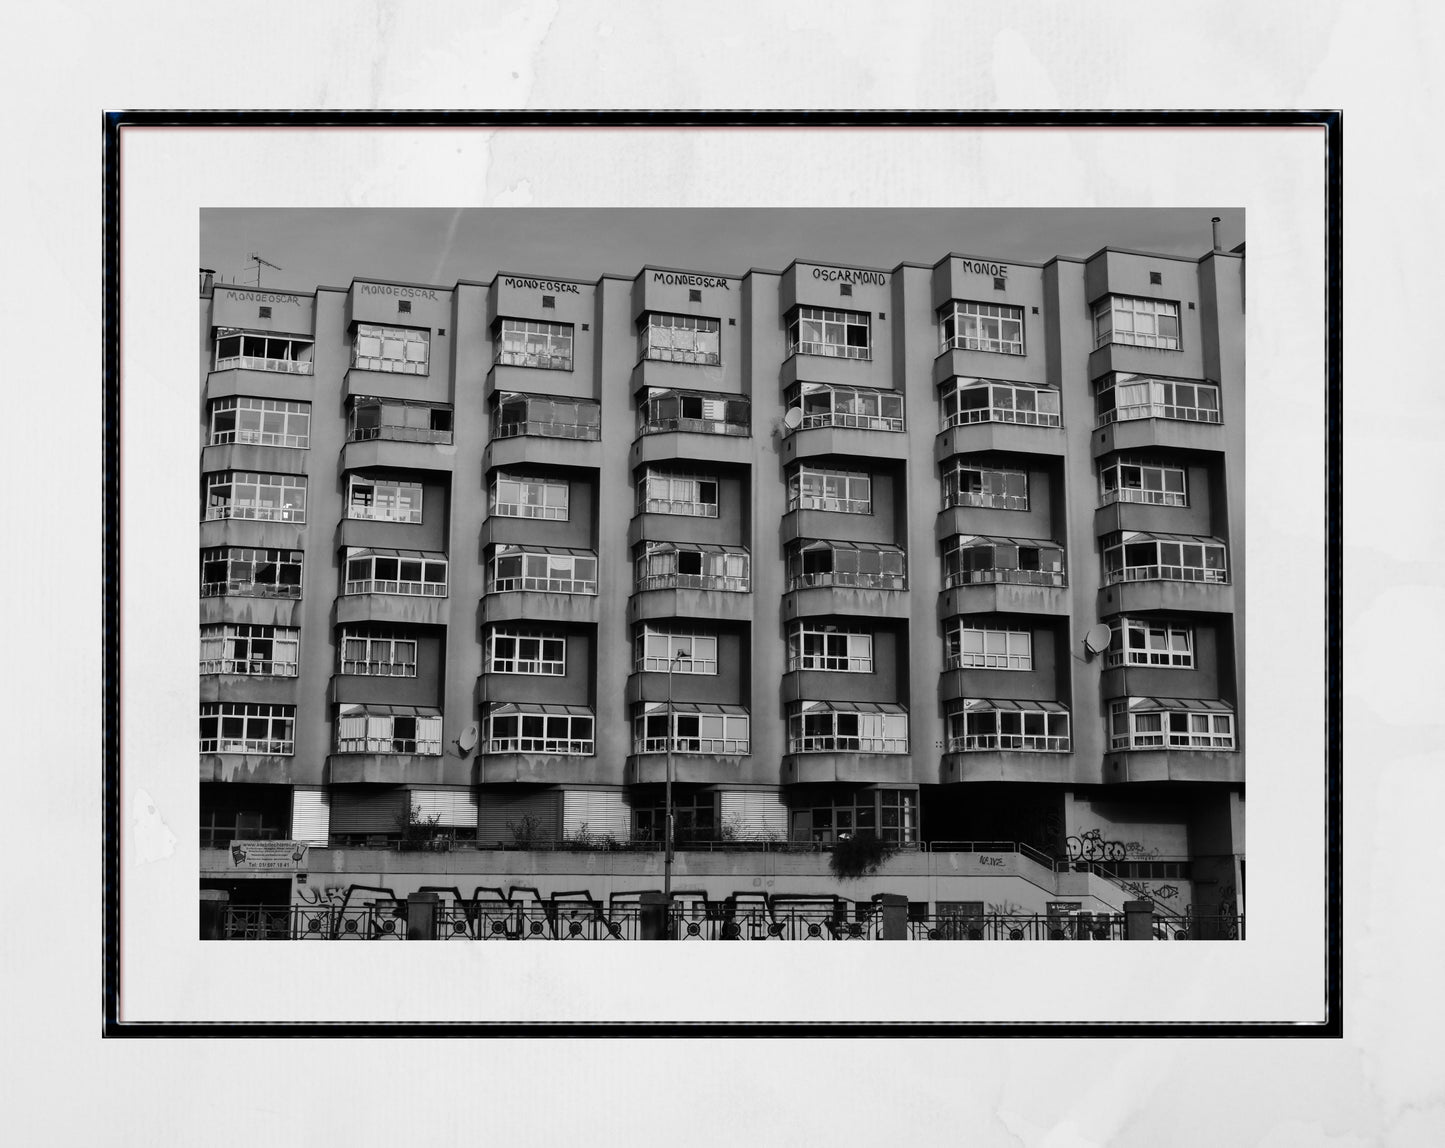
213,914
654,917
421,916
1138,920
895,916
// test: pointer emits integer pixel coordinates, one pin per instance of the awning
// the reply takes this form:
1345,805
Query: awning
381,552
537,709
851,708
1135,535
690,547
376,709
994,539
664,392
961,381
512,548
832,544
972,705
1180,704
691,708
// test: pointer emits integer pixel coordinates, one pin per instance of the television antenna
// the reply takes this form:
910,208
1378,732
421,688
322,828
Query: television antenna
259,262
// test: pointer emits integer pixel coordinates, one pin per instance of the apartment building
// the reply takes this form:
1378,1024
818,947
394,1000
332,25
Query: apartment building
949,555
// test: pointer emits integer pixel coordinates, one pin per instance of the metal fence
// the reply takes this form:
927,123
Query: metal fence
581,920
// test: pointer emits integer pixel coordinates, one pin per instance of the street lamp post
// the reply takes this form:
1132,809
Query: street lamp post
680,656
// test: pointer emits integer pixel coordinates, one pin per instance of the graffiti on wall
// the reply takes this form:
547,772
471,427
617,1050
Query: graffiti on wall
1091,846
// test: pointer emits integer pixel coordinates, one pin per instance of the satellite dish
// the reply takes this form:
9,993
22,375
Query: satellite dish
1096,641
468,738
793,418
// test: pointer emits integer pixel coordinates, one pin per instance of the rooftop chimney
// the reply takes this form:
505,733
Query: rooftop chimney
1214,226
208,277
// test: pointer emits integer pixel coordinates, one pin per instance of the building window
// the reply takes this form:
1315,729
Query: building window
973,484
383,500
542,417
1150,483
250,572
889,814
654,651
993,327
260,497
694,728
388,729
1137,322
566,731
260,351
970,559
377,652
694,818
513,650
1137,642
818,647
970,400
399,350
1170,723
1120,397
660,492
395,572
515,496
260,422
680,339
836,334
973,647
1132,556
395,420
828,563
858,408
695,412
248,727
547,571
691,566
847,727
985,724
529,343
842,491
244,648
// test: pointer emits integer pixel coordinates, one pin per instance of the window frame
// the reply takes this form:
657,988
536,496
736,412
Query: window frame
966,735
385,733
1141,493
694,507
1004,403
1160,399
847,407
398,428
584,423
251,560
547,641
856,490
1131,735
283,507
846,562
293,434
1120,549
1121,652
959,572
654,347
723,569
954,495
387,502
421,586
839,727
957,314
538,570
547,506
1016,656
382,644
231,640
671,641
841,651
535,730
278,741
386,335
728,733
534,334
827,320
664,410
1110,305
288,363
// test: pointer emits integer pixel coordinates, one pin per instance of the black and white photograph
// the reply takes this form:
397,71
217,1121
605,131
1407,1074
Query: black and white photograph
715,575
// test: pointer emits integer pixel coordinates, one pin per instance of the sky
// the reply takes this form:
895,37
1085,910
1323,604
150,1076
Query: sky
331,246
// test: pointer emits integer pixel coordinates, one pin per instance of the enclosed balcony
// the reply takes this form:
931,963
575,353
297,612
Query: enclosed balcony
998,415
393,586
1135,411
1172,739
386,744
1153,572
994,739
263,351
707,741
691,579
830,576
552,584
847,741
1002,575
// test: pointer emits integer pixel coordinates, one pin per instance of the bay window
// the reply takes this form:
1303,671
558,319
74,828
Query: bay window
993,327
660,492
968,483
691,566
248,727
565,731
260,422
974,647
654,650
874,566
399,350
388,729
693,727
539,416
859,408
1170,723
680,339
1137,322
518,496
836,334
531,343
695,412
250,572
397,420
813,646
547,570
1134,556
377,652
989,724
263,351
973,400
524,650
1140,642
841,491
1153,484
258,497
245,648
972,559
383,500
1123,397
378,571
847,727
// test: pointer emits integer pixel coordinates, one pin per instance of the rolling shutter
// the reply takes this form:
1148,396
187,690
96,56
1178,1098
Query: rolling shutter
310,814
496,809
757,815
369,809
604,813
453,808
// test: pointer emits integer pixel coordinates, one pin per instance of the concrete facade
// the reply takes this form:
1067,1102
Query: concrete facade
765,465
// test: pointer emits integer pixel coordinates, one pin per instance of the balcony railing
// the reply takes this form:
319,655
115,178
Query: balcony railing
378,669
544,428
1159,410
279,746
543,584
544,360
714,745
257,363
831,743
1010,743
249,589
563,747
384,745
847,579
850,421
399,434
1165,574
830,350
660,425
1147,497
403,514
252,437
262,667
411,589
1002,415
730,584
1005,577
675,506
